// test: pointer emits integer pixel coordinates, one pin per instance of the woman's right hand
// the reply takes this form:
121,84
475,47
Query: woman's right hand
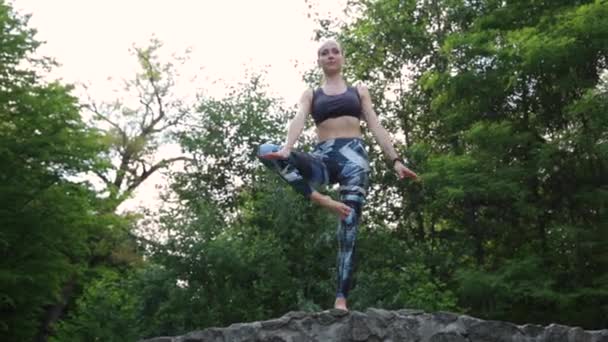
283,153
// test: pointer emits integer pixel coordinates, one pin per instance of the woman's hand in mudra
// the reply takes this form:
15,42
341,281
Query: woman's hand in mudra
403,171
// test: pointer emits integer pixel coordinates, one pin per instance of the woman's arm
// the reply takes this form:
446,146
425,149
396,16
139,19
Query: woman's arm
296,126
380,133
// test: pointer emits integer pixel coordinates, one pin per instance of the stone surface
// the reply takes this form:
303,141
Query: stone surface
377,325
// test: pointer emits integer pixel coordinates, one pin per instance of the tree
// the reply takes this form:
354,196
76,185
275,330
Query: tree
223,137
505,117
131,135
134,130
213,265
47,217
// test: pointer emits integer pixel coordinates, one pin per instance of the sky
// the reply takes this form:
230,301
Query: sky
91,41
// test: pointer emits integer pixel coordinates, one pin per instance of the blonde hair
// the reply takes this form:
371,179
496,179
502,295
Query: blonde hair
327,41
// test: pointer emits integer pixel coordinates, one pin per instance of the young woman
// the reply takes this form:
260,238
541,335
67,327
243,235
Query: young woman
339,156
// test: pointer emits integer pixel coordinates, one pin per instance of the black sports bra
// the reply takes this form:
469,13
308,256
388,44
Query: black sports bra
333,106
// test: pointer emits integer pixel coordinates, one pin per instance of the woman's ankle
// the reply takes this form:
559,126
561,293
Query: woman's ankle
318,197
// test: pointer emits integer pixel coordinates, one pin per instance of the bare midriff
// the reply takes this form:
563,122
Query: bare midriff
340,127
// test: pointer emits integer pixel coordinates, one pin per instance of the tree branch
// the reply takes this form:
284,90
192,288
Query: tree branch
156,95
148,110
171,122
102,176
145,241
159,102
154,168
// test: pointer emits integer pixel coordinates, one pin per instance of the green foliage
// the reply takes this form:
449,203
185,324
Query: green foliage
133,128
232,275
392,275
223,137
507,127
106,311
508,293
502,107
48,217
305,233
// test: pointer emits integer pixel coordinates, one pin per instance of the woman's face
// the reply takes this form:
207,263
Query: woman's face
330,58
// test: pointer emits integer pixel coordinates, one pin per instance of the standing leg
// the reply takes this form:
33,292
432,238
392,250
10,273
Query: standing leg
354,181
347,234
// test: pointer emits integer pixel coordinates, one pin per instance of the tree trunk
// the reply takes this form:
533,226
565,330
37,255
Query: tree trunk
54,312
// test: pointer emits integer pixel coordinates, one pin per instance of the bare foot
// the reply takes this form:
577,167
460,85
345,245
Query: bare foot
273,156
340,304
338,207
283,153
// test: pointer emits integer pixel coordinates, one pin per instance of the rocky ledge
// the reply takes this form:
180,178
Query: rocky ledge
382,325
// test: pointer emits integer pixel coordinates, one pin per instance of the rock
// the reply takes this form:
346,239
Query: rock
447,337
532,330
377,325
495,331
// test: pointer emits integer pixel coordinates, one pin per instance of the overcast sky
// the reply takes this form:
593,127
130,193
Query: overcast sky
91,40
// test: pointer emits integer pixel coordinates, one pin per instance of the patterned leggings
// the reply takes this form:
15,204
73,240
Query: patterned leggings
343,161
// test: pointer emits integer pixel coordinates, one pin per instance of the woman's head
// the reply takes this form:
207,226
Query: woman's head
330,57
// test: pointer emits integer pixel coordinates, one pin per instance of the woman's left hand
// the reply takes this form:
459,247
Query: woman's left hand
403,171
283,153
